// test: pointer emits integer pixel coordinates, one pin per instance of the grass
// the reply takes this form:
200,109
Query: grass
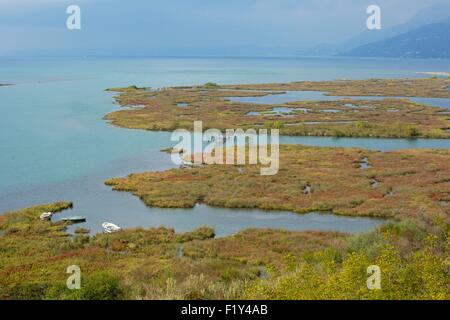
159,111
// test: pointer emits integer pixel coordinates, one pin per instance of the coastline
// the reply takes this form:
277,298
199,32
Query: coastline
435,73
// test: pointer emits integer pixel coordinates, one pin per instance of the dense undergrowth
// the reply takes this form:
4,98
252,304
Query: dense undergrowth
157,263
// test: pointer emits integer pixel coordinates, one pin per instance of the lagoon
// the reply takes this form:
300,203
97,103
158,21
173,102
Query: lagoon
54,144
293,96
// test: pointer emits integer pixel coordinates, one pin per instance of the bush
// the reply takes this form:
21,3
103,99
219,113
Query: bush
134,87
368,243
413,132
33,291
100,286
211,85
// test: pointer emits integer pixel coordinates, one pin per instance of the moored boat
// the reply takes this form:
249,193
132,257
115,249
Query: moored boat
109,227
46,216
75,219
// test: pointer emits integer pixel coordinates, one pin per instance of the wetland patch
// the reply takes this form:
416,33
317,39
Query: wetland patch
251,106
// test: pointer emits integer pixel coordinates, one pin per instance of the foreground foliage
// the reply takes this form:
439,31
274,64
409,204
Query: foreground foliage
158,263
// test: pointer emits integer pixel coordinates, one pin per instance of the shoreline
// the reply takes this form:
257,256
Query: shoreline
435,73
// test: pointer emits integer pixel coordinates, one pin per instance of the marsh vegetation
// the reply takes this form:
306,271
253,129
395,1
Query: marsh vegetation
261,264
348,117
338,179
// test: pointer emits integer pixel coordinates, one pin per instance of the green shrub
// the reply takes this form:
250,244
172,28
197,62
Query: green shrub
32,291
413,132
211,85
368,243
100,286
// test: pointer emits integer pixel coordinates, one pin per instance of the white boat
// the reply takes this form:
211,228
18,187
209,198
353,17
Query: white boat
75,219
46,216
109,227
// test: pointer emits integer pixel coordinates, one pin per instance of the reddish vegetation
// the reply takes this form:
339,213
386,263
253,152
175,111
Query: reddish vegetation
410,183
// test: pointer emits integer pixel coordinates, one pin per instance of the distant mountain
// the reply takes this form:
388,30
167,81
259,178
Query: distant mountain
430,41
439,13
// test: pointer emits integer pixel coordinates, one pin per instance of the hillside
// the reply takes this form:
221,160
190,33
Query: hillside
430,41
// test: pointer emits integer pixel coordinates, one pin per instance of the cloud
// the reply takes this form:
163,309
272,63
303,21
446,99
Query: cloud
6,5
143,26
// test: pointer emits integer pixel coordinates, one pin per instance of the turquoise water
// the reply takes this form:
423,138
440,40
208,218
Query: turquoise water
54,144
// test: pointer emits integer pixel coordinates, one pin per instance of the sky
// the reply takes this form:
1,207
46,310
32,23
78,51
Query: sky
188,27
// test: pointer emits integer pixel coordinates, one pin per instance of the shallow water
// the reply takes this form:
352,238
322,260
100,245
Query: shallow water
382,144
276,111
293,96
229,221
54,144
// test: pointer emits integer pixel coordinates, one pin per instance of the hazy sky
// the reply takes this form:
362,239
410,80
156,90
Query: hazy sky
152,27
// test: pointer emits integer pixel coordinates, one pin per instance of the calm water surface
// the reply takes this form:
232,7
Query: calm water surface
292,96
54,144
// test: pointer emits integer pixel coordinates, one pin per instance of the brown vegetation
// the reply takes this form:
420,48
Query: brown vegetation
159,110
410,183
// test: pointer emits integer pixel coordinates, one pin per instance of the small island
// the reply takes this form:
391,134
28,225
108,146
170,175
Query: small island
391,117
345,181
